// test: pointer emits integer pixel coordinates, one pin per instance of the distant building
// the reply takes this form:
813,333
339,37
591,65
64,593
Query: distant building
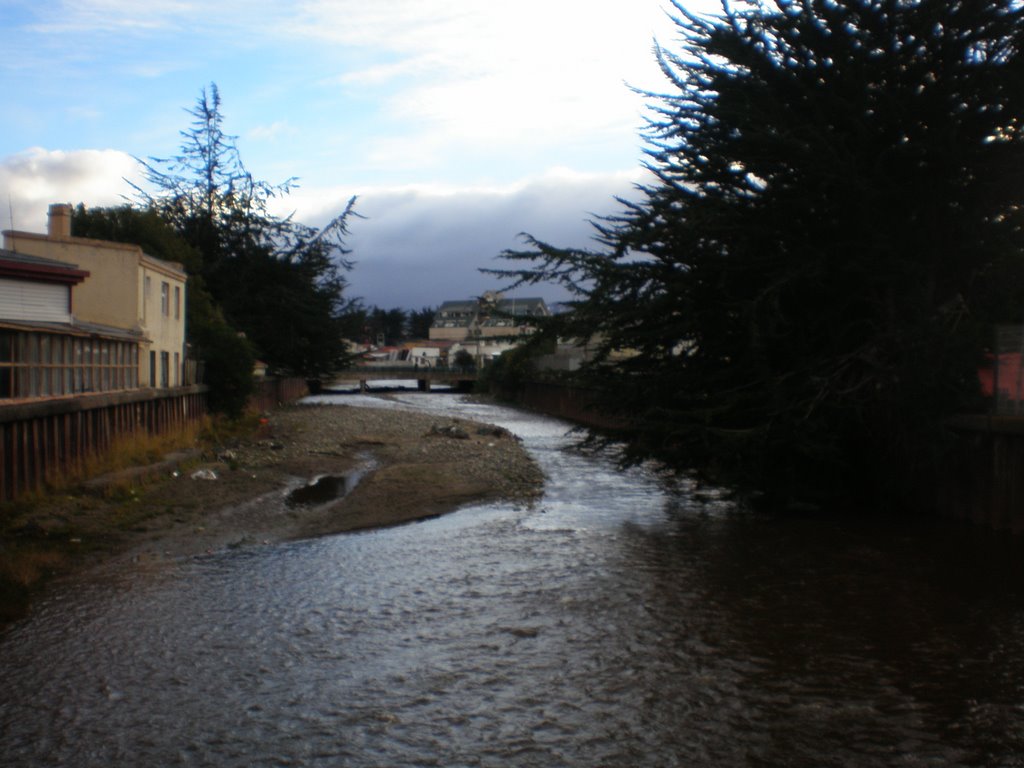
488,317
127,292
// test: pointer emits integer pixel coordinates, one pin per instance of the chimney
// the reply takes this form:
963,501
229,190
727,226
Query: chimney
59,221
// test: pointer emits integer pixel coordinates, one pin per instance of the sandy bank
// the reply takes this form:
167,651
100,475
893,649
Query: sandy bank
409,465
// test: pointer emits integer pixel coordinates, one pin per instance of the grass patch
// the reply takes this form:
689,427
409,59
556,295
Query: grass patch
47,532
139,449
26,566
22,569
220,430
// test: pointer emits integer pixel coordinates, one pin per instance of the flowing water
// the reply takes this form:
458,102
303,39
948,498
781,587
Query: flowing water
617,623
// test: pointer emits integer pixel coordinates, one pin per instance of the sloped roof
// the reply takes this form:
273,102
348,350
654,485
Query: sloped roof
26,267
77,328
463,312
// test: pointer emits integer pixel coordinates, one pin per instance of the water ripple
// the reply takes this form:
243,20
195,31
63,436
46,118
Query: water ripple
617,623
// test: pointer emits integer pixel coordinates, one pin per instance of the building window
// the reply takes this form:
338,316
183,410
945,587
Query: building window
152,368
53,365
165,299
177,302
165,368
146,287
177,368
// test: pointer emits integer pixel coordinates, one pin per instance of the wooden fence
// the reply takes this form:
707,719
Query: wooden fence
46,438
983,479
270,393
572,403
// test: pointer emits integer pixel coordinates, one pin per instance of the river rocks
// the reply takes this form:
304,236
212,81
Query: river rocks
441,464
236,491
489,430
452,430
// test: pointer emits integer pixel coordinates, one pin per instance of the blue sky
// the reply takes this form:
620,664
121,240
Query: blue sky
457,123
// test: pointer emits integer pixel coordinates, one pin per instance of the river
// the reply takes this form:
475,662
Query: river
620,622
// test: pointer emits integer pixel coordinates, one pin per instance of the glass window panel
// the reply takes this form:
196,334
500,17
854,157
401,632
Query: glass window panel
6,342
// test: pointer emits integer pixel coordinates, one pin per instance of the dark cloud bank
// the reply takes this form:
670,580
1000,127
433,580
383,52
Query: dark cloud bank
419,248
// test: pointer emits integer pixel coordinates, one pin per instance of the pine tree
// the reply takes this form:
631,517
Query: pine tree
806,286
278,281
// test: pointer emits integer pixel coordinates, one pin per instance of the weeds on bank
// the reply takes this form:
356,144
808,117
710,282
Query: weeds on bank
42,534
29,564
137,450
21,569
217,431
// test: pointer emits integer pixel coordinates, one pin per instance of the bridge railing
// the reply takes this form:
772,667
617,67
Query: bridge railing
404,370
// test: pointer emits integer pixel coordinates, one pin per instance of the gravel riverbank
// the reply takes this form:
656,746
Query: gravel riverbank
400,466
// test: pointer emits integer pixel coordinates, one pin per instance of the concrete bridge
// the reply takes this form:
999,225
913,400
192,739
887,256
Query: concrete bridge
424,376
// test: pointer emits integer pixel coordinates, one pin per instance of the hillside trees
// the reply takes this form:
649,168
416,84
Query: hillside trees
832,226
370,324
420,321
278,281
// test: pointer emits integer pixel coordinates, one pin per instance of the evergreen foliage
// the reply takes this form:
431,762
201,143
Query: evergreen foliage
420,321
278,281
805,288
228,358
391,326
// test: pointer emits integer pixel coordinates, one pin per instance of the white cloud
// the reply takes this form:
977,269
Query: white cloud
461,73
120,16
273,131
31,180
417,245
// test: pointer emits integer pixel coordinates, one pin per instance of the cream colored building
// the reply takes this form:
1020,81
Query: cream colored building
489,317
126,289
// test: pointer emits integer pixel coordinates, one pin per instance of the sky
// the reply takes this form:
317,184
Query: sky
457,124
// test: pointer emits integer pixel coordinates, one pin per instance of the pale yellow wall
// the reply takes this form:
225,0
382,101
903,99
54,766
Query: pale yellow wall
462,333
108,295
165,327
114,293
448,334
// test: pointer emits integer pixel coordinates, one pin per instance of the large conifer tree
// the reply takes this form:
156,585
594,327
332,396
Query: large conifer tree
834,224
280,282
